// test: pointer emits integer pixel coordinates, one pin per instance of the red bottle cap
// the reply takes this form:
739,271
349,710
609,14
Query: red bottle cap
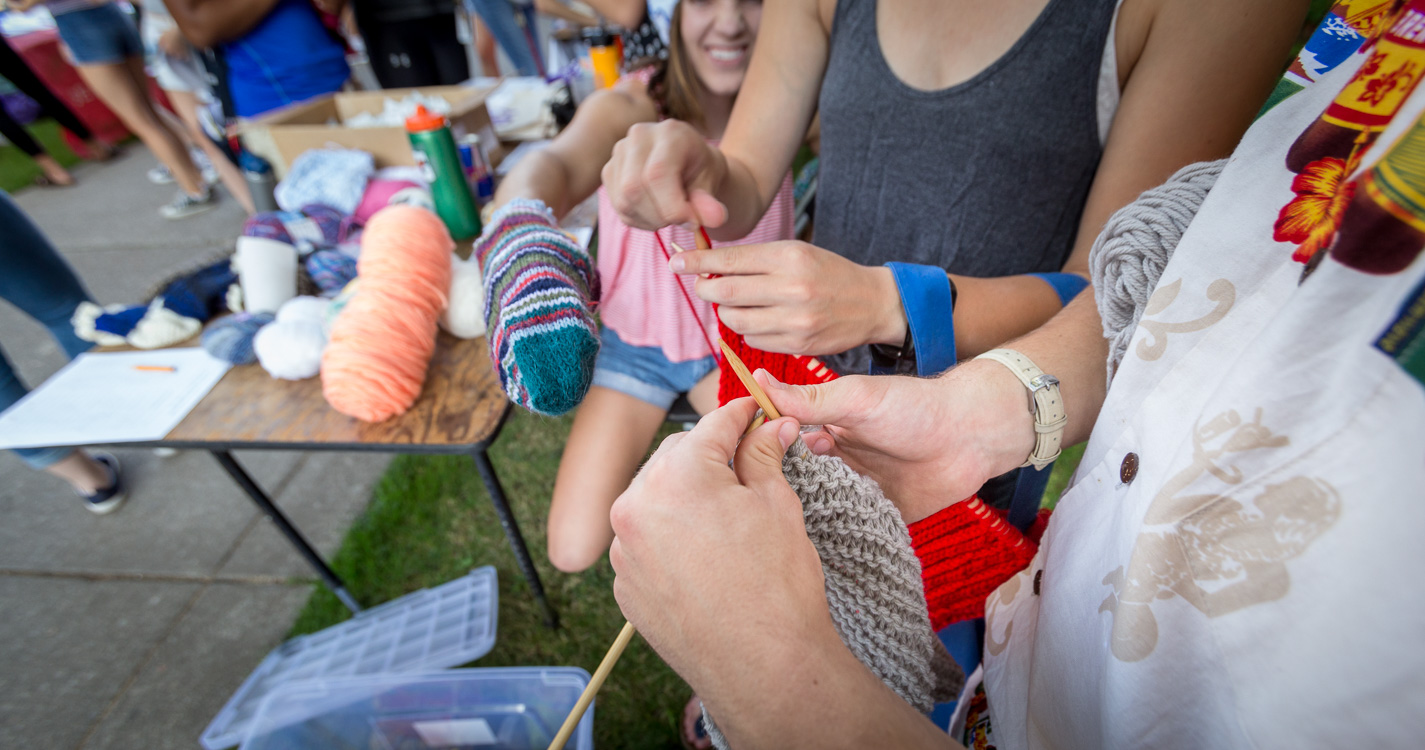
424,120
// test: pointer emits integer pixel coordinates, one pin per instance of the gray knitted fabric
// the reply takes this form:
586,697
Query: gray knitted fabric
1130,253
873,585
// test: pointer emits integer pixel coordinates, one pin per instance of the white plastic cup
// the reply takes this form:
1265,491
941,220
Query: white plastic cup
267,272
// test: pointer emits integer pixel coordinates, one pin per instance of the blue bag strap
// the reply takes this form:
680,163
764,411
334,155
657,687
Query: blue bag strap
929,307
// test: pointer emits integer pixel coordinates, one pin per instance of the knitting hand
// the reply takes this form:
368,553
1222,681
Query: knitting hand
663,174
796,298
928,442
713,562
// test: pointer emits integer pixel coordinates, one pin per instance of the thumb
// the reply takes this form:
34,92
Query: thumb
758,462
840,402
707,210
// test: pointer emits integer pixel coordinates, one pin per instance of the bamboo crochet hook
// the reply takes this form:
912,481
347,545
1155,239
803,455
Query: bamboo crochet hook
626,635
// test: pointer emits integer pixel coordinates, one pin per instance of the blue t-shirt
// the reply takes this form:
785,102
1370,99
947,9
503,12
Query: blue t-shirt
288,57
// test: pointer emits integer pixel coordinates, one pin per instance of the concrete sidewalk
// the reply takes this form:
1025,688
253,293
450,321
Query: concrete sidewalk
131,630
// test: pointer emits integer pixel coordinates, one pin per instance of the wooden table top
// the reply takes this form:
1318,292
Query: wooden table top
460,406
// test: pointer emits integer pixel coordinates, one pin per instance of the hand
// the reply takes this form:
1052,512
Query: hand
796,298
173,44
928,442
333,7
713,563
665,173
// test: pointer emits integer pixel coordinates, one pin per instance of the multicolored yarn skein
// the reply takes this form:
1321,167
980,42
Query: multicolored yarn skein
381,343
540,291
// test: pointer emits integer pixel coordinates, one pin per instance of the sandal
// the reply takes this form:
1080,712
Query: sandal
693,732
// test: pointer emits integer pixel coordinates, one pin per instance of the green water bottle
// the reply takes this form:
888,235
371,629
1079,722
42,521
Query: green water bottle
434,149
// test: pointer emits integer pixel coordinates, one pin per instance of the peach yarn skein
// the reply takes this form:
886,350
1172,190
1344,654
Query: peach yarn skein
381,344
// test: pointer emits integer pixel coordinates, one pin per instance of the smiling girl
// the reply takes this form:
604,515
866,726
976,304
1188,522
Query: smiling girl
653,347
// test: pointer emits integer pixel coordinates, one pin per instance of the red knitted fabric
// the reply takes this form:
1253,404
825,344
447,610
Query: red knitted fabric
787,368
966,551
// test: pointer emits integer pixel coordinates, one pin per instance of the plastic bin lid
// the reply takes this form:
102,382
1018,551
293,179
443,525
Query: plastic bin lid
516,708
447,626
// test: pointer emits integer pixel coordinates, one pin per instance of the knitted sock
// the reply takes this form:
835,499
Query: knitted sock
872,579
540,288
788,368
201,293
120,322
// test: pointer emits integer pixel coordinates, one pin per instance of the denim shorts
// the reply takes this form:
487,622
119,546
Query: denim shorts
98,35
644,372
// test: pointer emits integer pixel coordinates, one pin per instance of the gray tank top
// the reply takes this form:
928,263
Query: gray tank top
985,178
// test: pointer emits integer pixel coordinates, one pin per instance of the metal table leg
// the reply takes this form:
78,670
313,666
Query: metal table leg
294,536
512,532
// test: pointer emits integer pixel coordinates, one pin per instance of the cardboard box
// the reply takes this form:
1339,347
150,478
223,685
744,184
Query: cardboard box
282,136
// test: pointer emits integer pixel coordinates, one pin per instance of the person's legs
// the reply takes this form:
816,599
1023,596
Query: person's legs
484,47
499,17
186,102
611,435
447,54
122,87
15,133
34,278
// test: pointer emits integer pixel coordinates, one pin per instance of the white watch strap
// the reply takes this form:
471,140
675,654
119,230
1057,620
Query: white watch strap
1044,402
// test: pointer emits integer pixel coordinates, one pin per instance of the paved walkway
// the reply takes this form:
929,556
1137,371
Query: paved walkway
131,630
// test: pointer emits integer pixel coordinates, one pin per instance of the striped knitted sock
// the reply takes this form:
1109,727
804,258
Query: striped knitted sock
540,288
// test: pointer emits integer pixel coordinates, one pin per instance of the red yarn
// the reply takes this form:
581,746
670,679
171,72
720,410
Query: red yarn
789,369
966,551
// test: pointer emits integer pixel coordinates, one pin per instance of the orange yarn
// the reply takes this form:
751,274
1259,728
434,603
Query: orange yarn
381,344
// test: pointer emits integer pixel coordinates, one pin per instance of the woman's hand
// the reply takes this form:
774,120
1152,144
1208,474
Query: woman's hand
713,562
665,173
797,298
928,442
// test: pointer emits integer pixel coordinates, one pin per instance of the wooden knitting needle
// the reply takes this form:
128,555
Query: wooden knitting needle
747,381
595,682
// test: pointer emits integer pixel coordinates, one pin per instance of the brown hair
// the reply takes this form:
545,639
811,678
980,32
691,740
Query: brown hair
674,85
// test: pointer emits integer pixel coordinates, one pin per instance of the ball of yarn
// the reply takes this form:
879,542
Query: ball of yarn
230,338
377,196
381,344
465,314
331,270
290,349
327,219
304,309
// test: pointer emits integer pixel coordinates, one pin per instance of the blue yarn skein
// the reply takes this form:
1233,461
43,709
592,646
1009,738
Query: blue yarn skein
230,339
331,270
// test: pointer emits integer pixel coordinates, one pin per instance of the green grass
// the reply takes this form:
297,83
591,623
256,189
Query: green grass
18,170
430,521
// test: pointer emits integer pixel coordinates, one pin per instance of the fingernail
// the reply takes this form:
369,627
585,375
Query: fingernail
787,433
773,382
817,443
677,264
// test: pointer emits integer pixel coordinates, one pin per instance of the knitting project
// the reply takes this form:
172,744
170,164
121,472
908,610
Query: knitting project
788,368
1134,247
540,290
872,581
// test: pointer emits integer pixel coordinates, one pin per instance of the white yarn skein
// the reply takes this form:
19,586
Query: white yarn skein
464,316
1134,247
310,309
290,350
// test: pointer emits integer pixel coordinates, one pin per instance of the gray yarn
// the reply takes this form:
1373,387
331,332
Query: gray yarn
1130,253
873,584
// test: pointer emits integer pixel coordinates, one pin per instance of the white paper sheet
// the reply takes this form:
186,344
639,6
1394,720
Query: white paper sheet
105,398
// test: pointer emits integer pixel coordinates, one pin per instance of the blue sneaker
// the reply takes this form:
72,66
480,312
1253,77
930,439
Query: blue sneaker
107,500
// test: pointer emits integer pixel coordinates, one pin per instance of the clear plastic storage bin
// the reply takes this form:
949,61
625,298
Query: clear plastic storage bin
515,708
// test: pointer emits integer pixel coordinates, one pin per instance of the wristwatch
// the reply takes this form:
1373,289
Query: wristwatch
1045,404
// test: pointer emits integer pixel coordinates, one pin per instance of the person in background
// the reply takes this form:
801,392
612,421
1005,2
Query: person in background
410,42
517,38
14,69
105,48
654,347
175,67
34,278
276,52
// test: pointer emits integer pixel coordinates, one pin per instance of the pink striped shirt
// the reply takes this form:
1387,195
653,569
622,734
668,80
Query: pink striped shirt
641,302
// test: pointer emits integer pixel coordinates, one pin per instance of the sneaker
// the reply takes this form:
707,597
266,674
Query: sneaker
107,500
160,175
185,205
